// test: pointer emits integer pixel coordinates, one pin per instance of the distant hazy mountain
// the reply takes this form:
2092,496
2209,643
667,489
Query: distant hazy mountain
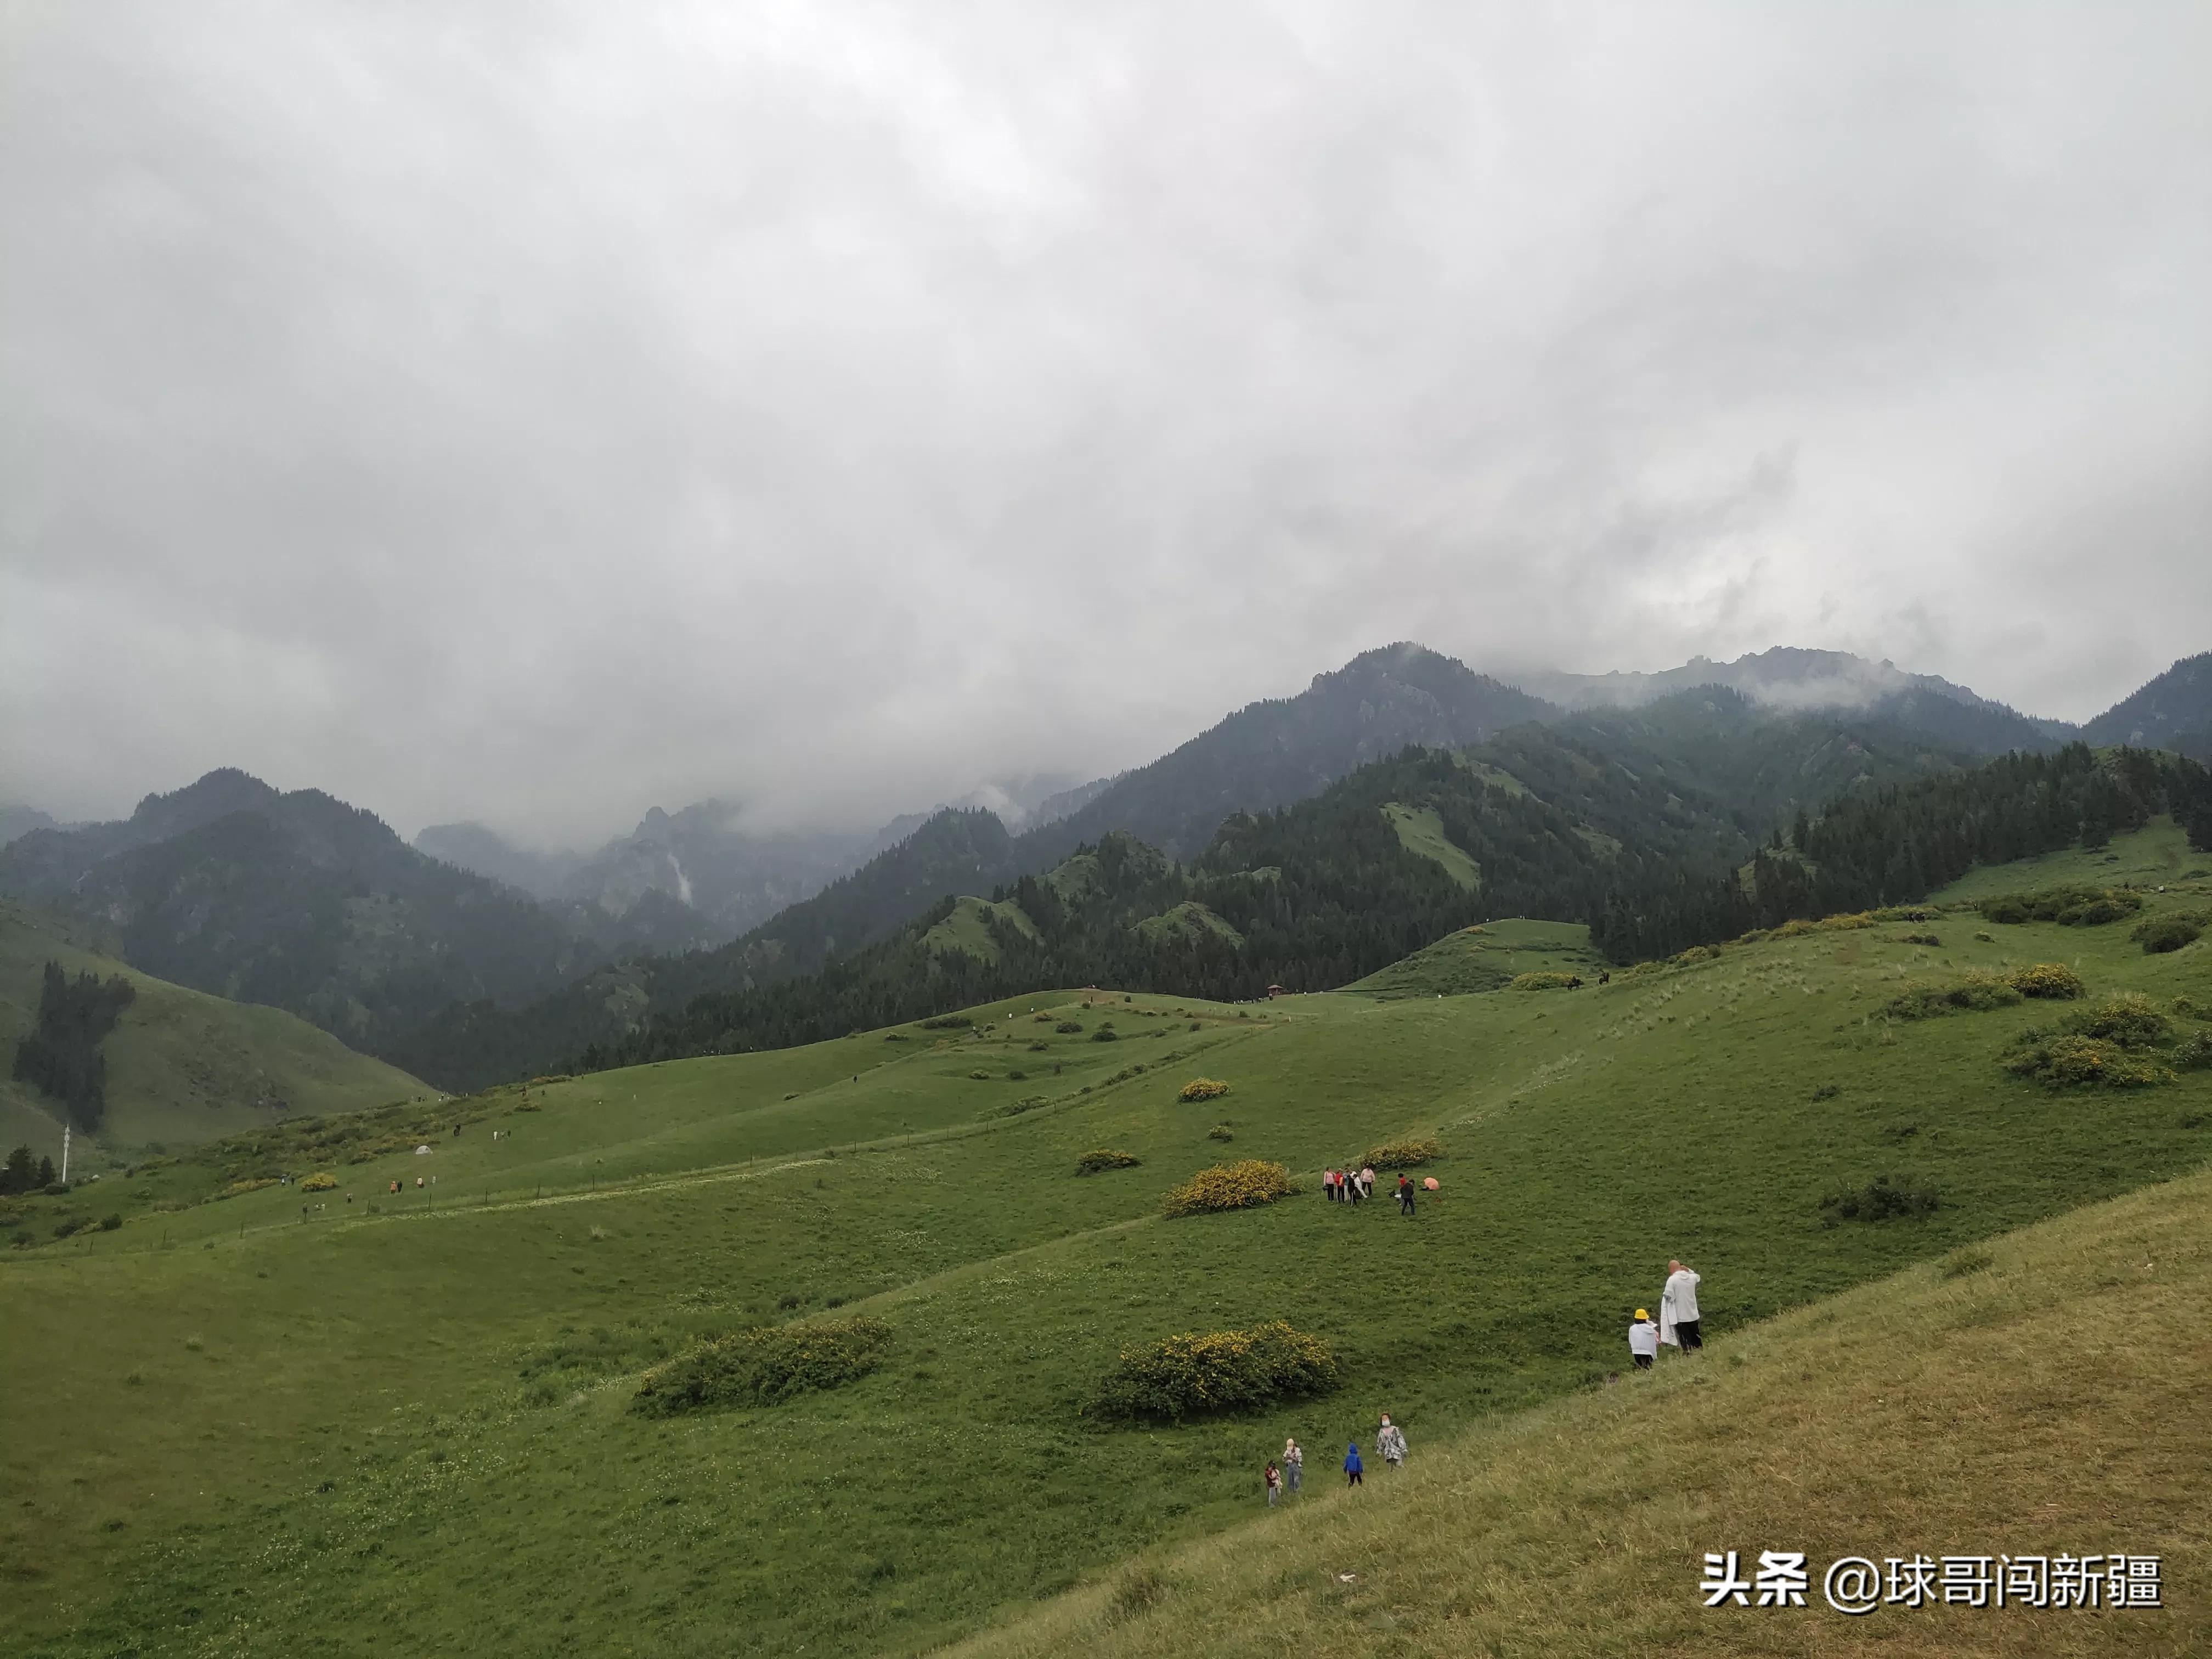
18,821
297,900
478,848
2173,711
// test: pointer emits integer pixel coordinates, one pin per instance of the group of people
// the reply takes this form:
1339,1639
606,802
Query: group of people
1358,1186
1677,1325
1348,1185
1290,1473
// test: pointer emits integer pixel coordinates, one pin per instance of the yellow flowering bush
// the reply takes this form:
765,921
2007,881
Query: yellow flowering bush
2076,1061
1202,1088
1230,1187
2054,980
1403,1154
321,1181
1194,1374
763,1367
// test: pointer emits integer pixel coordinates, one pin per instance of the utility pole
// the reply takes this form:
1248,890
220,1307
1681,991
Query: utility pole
65,1140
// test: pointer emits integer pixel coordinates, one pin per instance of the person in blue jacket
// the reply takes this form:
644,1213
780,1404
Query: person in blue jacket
1353,1467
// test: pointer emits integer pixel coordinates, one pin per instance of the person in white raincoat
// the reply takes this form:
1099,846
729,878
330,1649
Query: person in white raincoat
1678,1310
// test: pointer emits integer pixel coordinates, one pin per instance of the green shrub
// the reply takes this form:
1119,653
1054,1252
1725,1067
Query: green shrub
1919,938
2052,980
2195,1054
2163,933
1403,1154
1925,998
1105,1034
979,1077
1040,1047
109,1223
1230,1187
2131,1021
1220,1131
1105,1158
1883,1198
1195,1375
1202,1088
763,1367
1068,1027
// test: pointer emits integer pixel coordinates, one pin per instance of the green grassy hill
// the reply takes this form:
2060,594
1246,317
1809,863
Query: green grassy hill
404,1421
1930,1412
183,1067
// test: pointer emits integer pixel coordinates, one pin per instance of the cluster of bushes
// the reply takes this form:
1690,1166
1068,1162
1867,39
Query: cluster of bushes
1093,1163
1842,921
1194,1375
2070,1061
1230,1187
1068,1027
321,1181
2161,934
1202,1088
1927,998
1883,1198
763,1367
1221,1132
2073,906
1403,1154
2102,1047
1106,1034
1544,981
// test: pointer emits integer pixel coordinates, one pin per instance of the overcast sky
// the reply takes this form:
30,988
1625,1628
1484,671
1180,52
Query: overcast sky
533,412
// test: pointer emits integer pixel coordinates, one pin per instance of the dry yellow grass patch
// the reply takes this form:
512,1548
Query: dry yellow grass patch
2048,1393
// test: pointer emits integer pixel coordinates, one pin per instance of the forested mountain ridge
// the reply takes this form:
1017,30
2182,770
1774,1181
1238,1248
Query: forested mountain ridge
1322,893
298,902
2173,711
1693,781
1278,751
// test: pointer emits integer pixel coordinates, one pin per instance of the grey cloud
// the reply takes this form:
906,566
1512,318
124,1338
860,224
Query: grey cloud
534,412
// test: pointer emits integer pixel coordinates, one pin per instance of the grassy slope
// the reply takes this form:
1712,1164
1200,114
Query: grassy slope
1485,957
183,1067
969,928
1421,832
455,1365
2046,1393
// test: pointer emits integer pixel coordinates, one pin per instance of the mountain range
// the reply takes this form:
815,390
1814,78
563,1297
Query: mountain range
466,957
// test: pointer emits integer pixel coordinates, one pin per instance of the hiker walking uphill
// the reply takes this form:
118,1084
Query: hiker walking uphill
1353,1468
1390,1443
1678,1310
1294,1466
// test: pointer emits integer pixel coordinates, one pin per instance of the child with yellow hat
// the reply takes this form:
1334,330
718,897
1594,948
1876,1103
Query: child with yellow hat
1642,1340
